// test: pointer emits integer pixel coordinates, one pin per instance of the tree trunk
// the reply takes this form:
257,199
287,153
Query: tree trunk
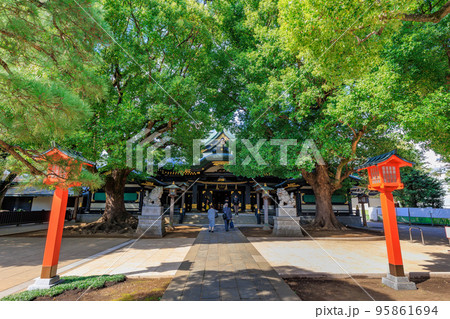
4,186
325,217
115,212
323,190
115,218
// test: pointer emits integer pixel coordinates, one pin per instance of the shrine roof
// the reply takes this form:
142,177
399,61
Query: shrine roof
371,161
69,153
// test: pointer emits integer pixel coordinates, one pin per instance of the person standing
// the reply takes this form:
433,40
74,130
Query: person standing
236,204
227,216
212,213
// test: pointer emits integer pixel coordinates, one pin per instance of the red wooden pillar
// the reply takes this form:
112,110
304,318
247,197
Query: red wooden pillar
63,166
394,251
54,233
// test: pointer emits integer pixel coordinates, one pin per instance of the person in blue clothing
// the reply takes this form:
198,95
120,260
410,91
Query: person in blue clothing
212,213
227,216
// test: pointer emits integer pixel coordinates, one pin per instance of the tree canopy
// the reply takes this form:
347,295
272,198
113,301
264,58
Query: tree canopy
346,79
47,73
421,189
352,99
156,66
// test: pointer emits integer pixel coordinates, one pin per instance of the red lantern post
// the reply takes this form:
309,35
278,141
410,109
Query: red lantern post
384,177
62,167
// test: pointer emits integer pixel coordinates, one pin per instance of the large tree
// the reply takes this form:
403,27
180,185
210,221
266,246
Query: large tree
158,59
295,90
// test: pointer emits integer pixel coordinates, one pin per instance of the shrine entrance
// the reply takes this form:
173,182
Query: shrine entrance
219,198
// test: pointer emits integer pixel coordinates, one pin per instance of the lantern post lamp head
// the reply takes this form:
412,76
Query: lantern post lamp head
384,176
62,165
363,198
172,189
265,190
384,171
183,185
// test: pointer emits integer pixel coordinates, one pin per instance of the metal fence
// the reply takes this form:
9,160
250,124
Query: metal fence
24,217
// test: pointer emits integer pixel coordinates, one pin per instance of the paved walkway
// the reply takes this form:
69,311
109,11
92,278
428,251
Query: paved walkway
21,257
225,266
146,258
292,257
13,229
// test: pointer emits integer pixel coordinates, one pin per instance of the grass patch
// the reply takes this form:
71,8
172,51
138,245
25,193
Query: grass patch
152,295
70,283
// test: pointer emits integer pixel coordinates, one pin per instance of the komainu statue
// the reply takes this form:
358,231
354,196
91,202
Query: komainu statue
152,199
285,199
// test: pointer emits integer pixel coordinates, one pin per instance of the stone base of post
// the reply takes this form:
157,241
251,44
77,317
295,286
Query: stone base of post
398,283
151,223
45,283
286,227
287,223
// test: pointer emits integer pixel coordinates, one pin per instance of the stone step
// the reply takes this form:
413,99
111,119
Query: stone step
202,219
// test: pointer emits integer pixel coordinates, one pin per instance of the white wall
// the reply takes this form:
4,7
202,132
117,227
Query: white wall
42,203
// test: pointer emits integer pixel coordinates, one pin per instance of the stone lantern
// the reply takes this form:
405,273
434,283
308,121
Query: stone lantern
172,193
264,190
384,177
363,199
183,187
63,171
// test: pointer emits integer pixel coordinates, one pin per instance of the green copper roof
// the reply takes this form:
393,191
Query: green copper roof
71,153
381,158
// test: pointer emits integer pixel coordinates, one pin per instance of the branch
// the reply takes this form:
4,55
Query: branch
33,45
185,40
434,17
368,36
5,66
338,178
6,182
10,149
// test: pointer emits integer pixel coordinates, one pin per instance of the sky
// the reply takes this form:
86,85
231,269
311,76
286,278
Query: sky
433,163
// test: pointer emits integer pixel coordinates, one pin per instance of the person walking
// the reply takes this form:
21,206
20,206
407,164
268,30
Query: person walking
212,214
227,216
236,205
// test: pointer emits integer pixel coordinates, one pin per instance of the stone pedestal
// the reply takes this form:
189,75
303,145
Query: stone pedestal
398,283
151,221
287,223
45,283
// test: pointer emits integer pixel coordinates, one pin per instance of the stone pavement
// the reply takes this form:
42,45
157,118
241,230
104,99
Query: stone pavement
156,257
21,257
292,257
13,229
225,266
